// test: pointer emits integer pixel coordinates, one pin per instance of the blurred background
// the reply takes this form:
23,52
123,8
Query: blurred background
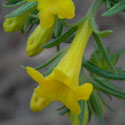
16,86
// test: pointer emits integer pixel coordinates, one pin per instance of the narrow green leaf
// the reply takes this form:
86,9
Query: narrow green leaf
14,5
45,64
107,91
66,24
94,69
22,9
11,2
27,23
65,110
69,40
61,108
85,118
90,111
108,86
60,38
58,32
104,52
28,31
52,66
48,62
59,28
116,56
32,18
100,33
107,4
56,62
105,33
106,105
95,101
81,116
120,6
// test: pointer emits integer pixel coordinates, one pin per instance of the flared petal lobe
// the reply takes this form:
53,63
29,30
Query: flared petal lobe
37,76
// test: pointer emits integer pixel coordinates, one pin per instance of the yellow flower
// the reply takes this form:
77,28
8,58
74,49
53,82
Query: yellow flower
49,8
37,38
62,84
16,23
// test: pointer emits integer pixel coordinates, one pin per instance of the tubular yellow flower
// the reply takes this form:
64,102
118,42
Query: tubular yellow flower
62,84
37,38
16,23
49,8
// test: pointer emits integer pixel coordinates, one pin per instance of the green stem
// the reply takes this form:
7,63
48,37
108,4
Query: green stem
43,65
104,52
91,12
94,8
47,63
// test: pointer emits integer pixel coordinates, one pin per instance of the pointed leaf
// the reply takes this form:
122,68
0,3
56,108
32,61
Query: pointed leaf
8,5
107,91
22,9
104,52
60,38
108,86
92,68
120,6
95,101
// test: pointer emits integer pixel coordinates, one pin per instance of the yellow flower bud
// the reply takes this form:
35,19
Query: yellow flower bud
16,23
38,38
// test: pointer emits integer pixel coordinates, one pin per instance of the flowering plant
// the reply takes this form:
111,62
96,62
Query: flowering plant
74,81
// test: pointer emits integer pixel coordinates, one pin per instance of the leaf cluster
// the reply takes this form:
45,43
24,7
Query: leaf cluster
100,75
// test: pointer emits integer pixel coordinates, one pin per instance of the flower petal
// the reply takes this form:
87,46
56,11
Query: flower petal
46,8
84,91
69,100
65,9
57,91
37,76
38,103
46,19
49,8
